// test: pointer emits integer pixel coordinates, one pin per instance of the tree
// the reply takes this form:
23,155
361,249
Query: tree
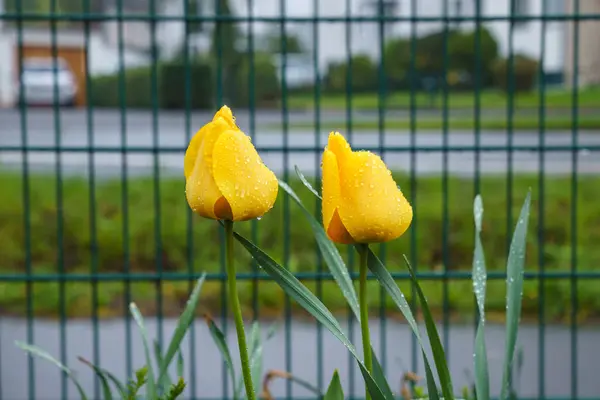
223,49
293,44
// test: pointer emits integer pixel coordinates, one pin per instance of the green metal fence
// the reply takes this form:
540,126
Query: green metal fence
81,243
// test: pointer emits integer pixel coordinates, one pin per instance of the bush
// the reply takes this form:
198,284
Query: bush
266,82
364,75
170,87
525,73
428,58
134,92
173,85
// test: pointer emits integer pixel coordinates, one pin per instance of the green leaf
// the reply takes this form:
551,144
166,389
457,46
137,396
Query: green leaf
185,320
334,391
306,182
103,379
305,384
38,352
439,356
305,298
221,342
379,376
387,281
179,364
482,379
330,254
137,316
514,291
164,382
120,386
256,360
175,390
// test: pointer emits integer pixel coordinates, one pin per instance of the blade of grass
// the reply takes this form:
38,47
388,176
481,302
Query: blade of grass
256,360
335,390
137,316
185,320
306,183
387,281
179,364
379,376
221,342
482,379
164,382
38,352
307,300
103,379
439,356
514,291
329,252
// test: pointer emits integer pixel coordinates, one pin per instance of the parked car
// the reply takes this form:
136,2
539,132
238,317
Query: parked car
45,82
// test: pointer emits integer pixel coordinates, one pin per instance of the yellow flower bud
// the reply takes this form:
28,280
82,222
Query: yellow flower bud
225,177
361,201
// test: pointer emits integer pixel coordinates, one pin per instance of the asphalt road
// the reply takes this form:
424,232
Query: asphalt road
303,358
140,132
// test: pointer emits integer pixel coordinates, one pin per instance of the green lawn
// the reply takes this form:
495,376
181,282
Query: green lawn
139,254
587,98
519,122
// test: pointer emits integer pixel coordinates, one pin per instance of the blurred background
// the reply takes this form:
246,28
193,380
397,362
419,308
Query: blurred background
461,97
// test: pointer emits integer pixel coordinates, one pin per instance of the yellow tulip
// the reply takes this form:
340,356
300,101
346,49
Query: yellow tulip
225,177
361,201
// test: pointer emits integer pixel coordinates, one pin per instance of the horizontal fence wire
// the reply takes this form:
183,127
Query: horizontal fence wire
31,274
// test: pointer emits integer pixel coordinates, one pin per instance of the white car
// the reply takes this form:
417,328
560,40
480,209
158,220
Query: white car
44,85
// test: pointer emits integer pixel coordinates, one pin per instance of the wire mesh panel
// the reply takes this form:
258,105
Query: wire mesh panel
459,97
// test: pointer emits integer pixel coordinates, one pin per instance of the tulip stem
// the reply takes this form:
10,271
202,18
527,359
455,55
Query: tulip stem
237,311
364,312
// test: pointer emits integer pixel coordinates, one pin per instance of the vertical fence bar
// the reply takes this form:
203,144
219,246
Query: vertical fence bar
510,79
541,212
156,148
29,306
350,251
381,108
286,199
252,115
218,49
317,135
445,255
124,187
189,214
477,104
574,198
60,262
92,199
413,180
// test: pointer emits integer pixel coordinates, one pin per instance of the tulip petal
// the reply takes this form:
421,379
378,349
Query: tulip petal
331,198
227,115
371,206
247,184
191,153
202,192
